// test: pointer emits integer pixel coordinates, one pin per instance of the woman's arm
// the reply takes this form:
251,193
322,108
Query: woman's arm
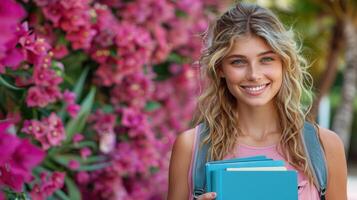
180,165
336,165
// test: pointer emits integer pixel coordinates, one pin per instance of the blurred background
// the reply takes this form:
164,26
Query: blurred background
94,92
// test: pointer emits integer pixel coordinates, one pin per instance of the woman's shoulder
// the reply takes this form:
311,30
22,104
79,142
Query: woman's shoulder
334,152
180,165
184,141
330,140
336,164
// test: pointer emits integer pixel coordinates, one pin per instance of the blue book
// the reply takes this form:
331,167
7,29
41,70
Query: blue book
245,163
254,185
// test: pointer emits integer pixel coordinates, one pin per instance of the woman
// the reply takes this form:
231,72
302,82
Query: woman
256,78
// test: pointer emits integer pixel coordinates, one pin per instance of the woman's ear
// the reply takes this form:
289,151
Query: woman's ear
220,72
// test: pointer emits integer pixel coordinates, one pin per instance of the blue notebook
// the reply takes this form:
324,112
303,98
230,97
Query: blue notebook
251,178
255,185
240,163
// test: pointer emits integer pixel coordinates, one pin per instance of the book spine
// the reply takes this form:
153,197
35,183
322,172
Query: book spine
208,179
217,183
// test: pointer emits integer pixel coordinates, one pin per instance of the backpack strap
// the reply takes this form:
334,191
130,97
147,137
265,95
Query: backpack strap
199,161
316,157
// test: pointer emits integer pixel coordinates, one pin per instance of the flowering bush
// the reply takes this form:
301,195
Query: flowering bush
93,93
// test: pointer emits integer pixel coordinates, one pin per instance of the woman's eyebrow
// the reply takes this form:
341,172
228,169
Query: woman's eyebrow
235,56
242,56
266,52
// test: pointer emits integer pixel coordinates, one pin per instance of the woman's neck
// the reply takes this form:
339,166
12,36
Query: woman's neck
259,125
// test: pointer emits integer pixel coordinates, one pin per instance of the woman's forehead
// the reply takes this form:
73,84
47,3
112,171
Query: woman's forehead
249,46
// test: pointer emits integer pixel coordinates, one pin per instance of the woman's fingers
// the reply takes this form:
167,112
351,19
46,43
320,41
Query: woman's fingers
207,196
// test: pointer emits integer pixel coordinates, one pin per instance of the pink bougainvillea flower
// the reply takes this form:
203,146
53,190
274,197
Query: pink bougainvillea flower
85,152
8,144
34,127
13,58
57,179
17,159
27,156
73,164
107,74
47,186
82,177
11,178
11,14
82,38
78,137
60,51
39,96
73,110
69,97
4,125
2,196
53,93
36,97
45,77
131,117
49,131
162,46
135,90
103,123
56,132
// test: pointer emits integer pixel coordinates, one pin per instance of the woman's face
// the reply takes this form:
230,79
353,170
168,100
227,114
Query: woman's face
253,72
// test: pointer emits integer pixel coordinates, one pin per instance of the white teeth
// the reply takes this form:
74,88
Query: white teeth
254,88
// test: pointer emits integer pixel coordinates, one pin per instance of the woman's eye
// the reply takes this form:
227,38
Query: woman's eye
267,59
238,62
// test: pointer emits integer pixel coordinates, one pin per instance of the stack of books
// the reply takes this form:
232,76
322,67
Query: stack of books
251,178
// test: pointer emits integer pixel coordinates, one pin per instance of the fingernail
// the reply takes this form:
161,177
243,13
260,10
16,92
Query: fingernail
213,195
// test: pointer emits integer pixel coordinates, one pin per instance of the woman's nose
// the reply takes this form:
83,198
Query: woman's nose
254,72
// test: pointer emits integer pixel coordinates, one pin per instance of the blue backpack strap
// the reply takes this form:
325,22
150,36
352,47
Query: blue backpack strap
316,157
199,161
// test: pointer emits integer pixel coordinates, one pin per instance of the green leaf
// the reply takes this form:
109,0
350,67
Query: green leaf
64,159
90,164
75,59
175,58
8,85
93,167
88,143
73,191
78,88
107,108
77,124
58,68
61,195
152,105
96,159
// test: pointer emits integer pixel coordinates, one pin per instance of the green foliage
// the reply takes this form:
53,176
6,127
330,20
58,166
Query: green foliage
73,191
152,105
8,85
77,124
15,196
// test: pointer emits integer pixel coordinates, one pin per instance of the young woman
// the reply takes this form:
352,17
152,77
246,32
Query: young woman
256,78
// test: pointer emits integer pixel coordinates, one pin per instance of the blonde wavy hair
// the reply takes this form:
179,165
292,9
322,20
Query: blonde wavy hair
217,106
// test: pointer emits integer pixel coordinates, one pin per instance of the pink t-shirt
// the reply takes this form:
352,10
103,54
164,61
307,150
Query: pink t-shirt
306,190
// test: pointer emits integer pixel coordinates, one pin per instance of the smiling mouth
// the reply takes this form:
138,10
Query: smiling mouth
255,89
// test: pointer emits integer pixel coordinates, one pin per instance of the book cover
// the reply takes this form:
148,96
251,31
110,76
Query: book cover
212,166
255,185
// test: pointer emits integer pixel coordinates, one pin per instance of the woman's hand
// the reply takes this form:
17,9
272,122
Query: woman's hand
207,196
